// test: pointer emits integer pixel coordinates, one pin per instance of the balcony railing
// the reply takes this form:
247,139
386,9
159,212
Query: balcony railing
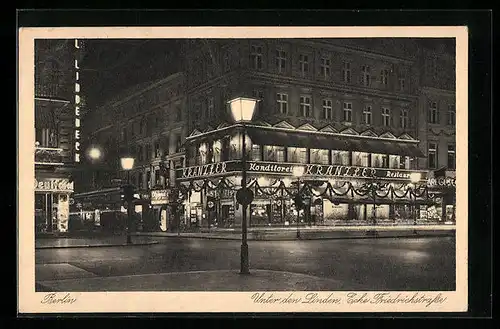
48,156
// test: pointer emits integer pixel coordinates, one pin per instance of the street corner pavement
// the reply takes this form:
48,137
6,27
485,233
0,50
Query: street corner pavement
219,280
115,241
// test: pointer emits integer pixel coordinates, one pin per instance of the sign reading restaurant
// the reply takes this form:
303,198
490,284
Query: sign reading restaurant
159,197
286,169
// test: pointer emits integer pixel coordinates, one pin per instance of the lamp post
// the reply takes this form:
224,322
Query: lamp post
242,110
298,171
414,178
127,164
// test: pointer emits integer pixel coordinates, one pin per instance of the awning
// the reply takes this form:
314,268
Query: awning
279,138
411,150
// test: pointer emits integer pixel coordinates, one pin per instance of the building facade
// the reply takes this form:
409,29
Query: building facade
57,129
437,108
146,122
352,114
323,104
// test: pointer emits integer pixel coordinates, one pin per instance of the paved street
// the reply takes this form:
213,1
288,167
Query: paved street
376,264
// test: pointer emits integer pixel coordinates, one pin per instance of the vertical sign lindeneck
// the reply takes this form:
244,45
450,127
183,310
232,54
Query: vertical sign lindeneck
77,107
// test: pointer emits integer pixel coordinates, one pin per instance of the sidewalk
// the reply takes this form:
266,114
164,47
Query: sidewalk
85,242
220,280
315,233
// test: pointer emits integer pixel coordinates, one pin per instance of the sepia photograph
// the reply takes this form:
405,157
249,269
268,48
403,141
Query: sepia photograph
291,169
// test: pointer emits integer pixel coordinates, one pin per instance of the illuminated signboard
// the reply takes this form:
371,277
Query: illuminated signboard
53,185
331,170
159,197
286,169
442,181
77,106
209,169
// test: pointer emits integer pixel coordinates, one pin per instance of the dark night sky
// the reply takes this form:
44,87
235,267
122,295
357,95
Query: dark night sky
111,66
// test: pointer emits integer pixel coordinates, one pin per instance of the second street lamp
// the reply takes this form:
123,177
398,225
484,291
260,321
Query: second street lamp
298,171
242,110
127,164
414,178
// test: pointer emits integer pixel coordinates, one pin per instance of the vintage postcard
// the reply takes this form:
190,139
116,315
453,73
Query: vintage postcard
242,169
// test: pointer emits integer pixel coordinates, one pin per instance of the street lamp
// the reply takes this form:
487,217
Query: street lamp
414,178
94,153
127,164
242,110
298,171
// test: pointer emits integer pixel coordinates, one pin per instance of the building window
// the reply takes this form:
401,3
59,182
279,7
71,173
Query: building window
380,161
297,155
46,137
148,179
256,153
433,113
347,112
401,84
274,153
234,147
304,64
340,158
210,107
327,109
217,151
384,77
451,156
156,177
404,162
148,151
346,72
319,156
394,162
282,101
367,115
451,115
256,57
203,152
305,106
325,68
281,61
365,75
140,180
360,159
433,160
140,153
386,116
157,150
227,62
403,118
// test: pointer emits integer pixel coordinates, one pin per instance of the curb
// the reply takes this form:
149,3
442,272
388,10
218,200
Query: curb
99,245
409,235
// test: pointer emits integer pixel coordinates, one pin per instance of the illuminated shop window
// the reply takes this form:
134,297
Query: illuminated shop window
274,153
340,157
217,151
297,155
319,156
360,159
380,160
256,153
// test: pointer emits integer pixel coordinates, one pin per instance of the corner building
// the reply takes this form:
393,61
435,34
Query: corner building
57,130
346,114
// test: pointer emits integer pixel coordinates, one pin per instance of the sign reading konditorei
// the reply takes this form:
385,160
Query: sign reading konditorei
54,185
